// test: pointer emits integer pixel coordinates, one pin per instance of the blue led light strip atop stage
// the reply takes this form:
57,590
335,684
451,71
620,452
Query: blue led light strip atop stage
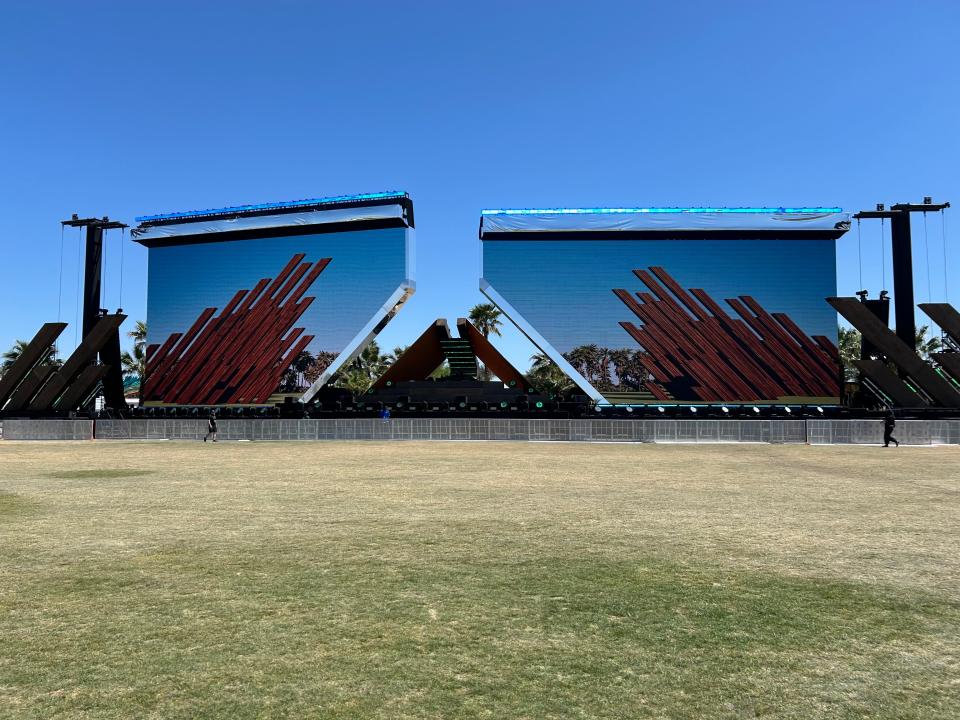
614,211
335,200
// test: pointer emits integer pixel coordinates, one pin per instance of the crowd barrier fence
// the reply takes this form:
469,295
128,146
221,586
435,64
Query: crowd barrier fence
841,432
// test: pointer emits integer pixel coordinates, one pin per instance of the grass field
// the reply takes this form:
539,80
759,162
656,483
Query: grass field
497,580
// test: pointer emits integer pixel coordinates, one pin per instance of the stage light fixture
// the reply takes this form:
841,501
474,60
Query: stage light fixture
539,403
756,409
788,410
819,409
629,409
660,408
725,409
503,404
693,410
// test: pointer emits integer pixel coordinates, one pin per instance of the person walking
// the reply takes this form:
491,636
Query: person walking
889,423
211,426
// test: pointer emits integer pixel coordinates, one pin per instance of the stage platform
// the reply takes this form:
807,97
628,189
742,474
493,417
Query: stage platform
856,432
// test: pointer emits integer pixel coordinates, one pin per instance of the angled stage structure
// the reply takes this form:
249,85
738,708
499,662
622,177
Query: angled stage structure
928,386
436,345
33,386
947,317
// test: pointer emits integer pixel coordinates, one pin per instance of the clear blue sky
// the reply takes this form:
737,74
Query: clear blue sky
133,108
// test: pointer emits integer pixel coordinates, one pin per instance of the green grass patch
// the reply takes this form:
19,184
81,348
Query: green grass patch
12,504
368,580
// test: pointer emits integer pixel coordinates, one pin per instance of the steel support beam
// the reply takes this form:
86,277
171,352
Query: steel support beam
490,356
85,354
944,315
34,352
887,380
898,352
29,387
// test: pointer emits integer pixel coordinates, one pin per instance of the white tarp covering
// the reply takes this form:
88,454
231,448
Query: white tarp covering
635,219
257,222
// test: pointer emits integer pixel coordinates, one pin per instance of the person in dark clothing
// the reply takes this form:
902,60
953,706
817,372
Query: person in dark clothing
889,423
211,426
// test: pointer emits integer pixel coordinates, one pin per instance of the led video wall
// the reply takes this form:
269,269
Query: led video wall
242,306
674,306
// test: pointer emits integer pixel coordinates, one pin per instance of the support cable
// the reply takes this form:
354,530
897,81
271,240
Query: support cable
926,252
123,235
859,256
883,255
56,344
60,280
76,318
105,272
943,231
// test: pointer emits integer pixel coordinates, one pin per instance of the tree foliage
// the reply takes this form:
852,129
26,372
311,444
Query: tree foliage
486,318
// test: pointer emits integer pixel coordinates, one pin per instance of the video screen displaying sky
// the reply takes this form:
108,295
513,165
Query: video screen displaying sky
367,266
564,288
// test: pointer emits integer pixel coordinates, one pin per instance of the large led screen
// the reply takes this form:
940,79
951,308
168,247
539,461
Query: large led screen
240,319
658,318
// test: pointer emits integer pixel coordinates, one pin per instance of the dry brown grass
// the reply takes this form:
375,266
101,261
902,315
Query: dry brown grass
478,580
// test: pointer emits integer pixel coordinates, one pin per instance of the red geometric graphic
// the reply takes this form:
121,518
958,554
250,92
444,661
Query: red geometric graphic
240,355
694,350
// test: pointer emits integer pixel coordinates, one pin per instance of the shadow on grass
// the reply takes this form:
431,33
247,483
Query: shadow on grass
99,474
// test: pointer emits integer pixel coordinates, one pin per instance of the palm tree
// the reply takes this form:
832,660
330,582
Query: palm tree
294,377
486,318
322,359
359,375
546,376
849,346
139,334
135,365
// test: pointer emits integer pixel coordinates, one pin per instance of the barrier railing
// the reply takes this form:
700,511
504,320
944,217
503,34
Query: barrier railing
909,432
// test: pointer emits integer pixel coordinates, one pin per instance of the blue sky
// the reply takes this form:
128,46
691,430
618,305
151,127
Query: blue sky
131,108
